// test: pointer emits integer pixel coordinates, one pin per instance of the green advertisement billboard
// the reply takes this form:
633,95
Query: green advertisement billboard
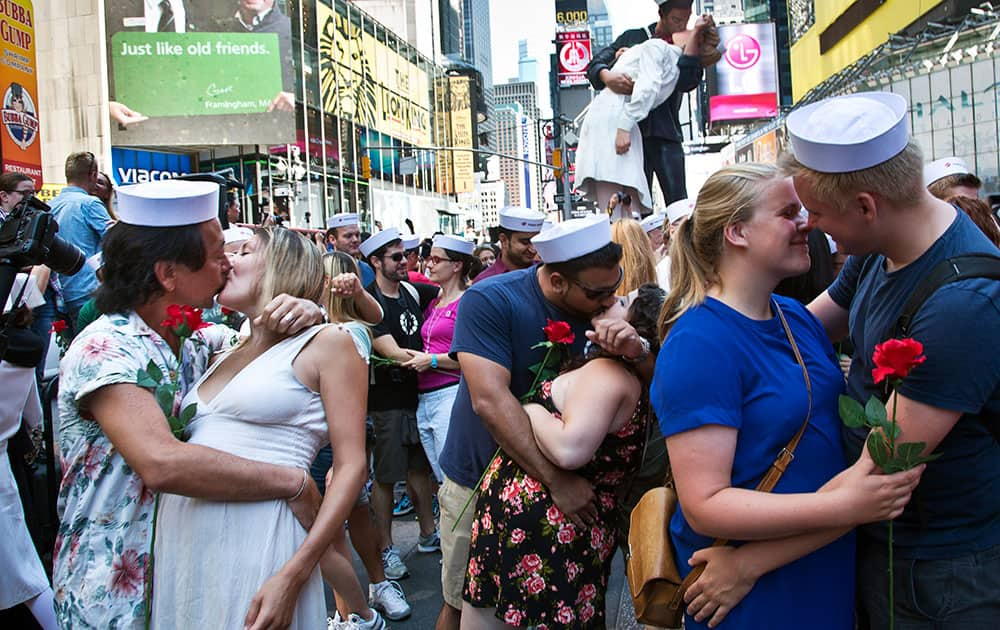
213,72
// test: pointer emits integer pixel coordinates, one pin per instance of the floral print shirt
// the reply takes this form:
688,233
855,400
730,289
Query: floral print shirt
101,566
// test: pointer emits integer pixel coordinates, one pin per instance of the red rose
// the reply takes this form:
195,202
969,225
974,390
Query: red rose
58,326
517,536
566,535
531,562
535,584
513,617
183,320
558,332
554,515
226,312
895,358
565,615
587,612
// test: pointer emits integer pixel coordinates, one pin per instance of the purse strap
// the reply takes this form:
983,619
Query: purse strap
781,462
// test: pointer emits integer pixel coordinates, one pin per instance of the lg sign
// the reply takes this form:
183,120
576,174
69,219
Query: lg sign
743,52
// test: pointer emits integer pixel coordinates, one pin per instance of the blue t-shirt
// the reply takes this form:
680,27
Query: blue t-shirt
367,273
719,367
956,508
83,220
499,319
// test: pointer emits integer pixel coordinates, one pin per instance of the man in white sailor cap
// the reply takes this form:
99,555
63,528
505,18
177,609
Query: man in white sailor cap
167,248
499,322
517,227
343,234
392,397
950,176
653,226
861,177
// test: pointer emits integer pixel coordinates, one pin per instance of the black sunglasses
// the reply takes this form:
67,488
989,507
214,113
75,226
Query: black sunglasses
600,294
398,256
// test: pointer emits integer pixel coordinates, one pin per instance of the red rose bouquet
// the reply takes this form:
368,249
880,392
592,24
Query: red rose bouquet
894,360
61,330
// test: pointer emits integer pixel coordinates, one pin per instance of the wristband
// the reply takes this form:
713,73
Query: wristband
434,361
642,355
305,478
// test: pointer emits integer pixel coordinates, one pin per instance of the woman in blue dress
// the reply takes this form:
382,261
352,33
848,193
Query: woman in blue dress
730,394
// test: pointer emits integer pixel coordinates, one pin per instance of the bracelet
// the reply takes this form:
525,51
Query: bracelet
434,361
642,355
305,478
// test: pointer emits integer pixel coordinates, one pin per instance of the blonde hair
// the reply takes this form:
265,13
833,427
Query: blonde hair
638,262
729,195
339,308
292,265
898,180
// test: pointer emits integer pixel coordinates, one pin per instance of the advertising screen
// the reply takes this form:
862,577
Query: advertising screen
197,73
20,148
744,84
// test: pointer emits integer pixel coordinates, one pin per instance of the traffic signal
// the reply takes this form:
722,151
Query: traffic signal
557,163
366,167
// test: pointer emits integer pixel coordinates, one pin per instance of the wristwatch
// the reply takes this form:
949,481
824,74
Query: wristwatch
642,355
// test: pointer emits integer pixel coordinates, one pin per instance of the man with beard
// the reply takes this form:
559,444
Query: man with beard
498,326
392,397
117,448
517,227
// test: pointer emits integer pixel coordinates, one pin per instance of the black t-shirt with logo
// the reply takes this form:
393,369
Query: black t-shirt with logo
395,387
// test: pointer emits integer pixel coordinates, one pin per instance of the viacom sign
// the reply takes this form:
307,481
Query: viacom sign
137,167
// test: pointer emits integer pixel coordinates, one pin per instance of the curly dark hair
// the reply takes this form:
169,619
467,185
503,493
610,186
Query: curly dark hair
130,253
644,313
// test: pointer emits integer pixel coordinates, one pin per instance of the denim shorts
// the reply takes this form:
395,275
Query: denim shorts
961,593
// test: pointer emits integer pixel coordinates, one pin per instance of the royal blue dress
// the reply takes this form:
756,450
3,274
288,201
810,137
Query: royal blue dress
720,367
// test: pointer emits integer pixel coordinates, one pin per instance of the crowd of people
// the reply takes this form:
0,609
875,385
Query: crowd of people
236,405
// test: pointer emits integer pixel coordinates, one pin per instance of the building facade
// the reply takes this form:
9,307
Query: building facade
515,138
364,101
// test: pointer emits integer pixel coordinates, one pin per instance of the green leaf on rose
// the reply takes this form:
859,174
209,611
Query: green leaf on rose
875,410
878,447
188,413
909,452
154,372
895,465
851,412
165,398
926,458
144,380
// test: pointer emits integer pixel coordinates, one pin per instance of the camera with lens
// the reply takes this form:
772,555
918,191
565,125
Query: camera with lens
28,237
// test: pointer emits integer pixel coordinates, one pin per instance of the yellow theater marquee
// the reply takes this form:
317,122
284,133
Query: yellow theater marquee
365,80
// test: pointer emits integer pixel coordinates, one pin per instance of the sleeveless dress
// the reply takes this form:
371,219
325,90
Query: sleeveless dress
653,66
527,559
212,557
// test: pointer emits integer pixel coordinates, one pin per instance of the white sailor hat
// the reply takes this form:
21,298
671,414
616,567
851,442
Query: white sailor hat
944,167
521,219
573,238
653,221
378,240
546,225
168,203
344,219
850,132
679,209
96,261
236,234
410,242
454,244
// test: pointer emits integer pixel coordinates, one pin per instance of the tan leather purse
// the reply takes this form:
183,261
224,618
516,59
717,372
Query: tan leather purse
653,578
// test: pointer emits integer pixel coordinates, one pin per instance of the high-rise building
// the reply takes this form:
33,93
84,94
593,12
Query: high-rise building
524,93
452,29
478,53
418,22
527,67
601,34
516,136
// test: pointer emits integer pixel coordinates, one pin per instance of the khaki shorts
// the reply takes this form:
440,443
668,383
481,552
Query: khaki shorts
454,544
397,445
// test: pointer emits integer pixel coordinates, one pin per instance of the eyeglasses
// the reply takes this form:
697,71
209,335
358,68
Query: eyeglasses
434,260
398,256
600,294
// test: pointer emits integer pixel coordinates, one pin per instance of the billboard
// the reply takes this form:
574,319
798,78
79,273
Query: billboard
20,148
573,48
571,13
368,81
744,84
461,133
211,72
134,167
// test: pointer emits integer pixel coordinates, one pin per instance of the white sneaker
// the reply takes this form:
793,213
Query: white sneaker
389,599
375,623
393,565
336,623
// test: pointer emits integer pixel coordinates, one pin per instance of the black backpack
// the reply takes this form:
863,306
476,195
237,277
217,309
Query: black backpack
946,272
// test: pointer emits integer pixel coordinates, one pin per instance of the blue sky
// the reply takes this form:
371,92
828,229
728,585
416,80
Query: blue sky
535,21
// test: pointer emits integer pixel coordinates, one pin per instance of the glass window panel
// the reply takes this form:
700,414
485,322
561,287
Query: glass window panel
924,140
920,102
961,95
964,142
943,142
